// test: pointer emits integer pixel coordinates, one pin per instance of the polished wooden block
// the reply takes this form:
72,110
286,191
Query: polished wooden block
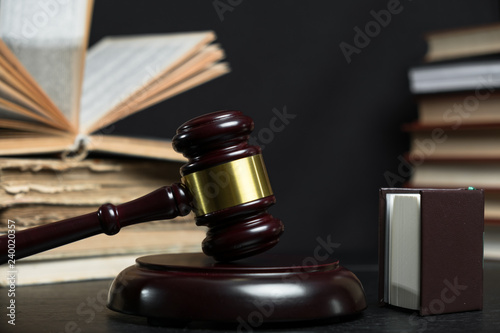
176,289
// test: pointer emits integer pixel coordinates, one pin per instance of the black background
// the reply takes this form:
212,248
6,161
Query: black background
327,164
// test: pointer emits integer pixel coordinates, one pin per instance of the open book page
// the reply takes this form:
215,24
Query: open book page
120,67
199,69
21,142
206,75
49,38
11,82
20,92
18,101
28,126
7,113
158,149
14,117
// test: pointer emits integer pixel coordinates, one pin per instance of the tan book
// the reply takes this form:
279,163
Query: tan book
458,109
463,42
55,96
465,142
39,191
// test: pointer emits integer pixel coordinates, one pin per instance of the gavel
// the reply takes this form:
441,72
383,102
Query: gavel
224,182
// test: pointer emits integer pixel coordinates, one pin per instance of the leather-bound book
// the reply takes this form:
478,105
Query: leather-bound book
431,249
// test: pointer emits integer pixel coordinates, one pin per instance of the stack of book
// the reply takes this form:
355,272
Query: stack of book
57,103
34,192
456,140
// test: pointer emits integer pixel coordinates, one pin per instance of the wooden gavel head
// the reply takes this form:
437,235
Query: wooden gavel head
229,185
225,183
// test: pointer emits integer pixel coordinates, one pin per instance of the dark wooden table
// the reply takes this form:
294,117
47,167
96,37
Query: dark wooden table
78,307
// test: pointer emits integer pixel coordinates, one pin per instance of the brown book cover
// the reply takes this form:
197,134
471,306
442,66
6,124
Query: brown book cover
451,261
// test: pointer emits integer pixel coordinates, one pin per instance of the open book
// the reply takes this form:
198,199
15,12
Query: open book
55,96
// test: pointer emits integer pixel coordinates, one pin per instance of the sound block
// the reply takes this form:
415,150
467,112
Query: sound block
183,288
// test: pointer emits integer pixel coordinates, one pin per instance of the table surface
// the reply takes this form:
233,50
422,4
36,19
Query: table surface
78,308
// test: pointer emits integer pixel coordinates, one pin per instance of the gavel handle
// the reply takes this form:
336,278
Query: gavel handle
164,203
